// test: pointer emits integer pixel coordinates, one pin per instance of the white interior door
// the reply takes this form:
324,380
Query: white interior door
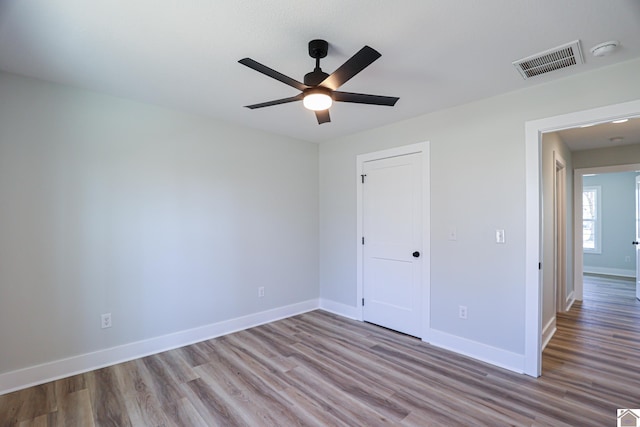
637,239
392,231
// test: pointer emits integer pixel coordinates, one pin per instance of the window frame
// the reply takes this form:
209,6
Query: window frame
597,221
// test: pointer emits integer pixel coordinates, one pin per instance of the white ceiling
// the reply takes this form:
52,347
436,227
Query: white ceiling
602,135
183,53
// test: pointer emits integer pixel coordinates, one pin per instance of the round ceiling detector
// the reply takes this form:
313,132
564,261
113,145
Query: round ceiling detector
606,48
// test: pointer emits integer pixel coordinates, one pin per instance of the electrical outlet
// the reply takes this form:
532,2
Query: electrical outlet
261,292
462,311
453,234
106,320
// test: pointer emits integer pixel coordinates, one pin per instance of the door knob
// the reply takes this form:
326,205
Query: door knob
416,254
634,243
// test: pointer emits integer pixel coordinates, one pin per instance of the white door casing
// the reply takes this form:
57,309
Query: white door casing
393,219
392,225
637,239
560,234
533,135
577,202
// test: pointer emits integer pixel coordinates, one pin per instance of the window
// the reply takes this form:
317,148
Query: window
591,229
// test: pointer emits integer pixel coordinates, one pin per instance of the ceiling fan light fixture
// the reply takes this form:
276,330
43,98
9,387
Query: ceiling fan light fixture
320,90
317,100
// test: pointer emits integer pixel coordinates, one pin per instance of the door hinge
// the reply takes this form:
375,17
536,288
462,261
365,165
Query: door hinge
363,240
539,266
362,176
363,302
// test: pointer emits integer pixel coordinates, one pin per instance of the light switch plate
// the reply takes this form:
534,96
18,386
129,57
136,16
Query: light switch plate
499,236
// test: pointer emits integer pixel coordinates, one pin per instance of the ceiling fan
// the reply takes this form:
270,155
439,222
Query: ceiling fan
319,89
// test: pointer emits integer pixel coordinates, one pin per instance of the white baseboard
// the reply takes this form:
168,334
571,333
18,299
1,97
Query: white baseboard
609,271
50,371
495,356
571,298
339,308
548,331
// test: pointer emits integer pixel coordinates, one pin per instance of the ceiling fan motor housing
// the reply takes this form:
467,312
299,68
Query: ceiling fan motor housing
315,77
317,49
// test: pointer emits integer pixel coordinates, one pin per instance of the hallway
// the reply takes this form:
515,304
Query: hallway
597,345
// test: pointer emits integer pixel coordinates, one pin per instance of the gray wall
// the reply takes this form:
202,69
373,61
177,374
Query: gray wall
167,220
551,143
618,224
477,185
171,221
612,156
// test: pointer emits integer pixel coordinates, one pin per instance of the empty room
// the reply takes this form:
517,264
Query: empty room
339,213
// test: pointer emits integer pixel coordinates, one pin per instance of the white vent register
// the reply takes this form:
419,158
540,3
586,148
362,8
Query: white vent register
567,55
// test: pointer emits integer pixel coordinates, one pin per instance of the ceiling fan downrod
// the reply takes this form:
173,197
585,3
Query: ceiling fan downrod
317,49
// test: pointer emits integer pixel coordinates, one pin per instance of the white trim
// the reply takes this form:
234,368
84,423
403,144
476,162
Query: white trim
597,222
570,300
423,148
50,371
533,132
578,257
559,232
533,230
609,271
578,246
548,331
418,147
339,308
483,352
426,241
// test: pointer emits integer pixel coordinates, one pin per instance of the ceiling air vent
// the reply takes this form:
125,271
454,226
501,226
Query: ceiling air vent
559,57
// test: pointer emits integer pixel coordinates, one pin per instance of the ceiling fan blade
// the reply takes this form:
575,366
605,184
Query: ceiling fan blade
272,73
362,98
276,102
358,62
323,116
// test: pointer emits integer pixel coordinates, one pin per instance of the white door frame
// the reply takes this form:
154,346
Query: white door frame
560,234
637,236
533,227
423,148
578,267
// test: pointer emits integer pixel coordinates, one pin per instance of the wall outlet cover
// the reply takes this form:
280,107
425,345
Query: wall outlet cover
105,320
462,311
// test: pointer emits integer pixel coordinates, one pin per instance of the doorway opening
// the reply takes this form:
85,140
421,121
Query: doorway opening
598,258
533,249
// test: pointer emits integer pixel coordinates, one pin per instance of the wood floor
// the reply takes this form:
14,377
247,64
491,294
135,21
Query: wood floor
318,369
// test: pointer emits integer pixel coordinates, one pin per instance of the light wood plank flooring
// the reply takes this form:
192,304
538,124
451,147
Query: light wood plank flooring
318,369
